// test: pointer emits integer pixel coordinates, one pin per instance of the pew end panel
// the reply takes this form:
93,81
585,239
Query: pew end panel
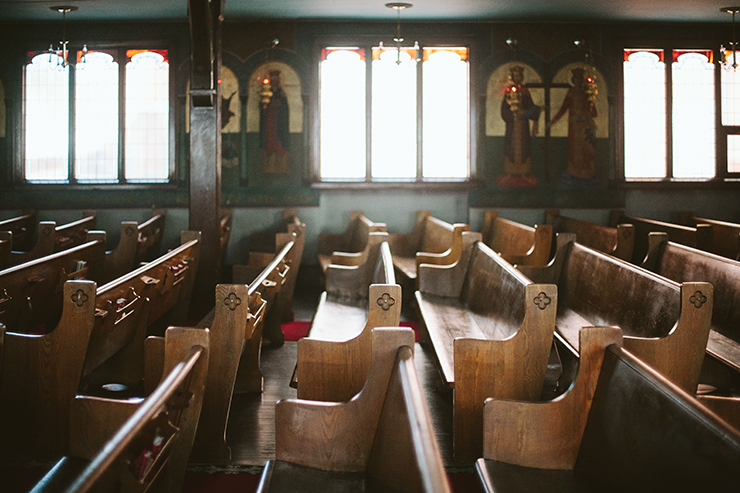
41,374
330,370
406,245
550,274
339,436
679,355
512,368
229,330
447,280
517,243
122,259
547,435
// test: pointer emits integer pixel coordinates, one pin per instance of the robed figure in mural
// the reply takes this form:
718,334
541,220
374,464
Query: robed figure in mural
581,128
517,109
274,119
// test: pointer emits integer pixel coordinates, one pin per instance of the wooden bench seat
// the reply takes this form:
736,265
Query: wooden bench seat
725,235
491,330
51,238
517,243
349,247
334,360
664,322
432,241
698,237
620,427
380,440
618,241
112,448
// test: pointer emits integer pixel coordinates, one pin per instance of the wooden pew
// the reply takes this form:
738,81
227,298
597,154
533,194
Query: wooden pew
138,243
334,360
51,238
432,241
725,235
236,317
6,247
263,243
382,438
621,427
698,237
112,445
664,323
517,243
98,340
618,241
115,353
349,247
491,330
270,280
681,264
225,220
23,228
31,293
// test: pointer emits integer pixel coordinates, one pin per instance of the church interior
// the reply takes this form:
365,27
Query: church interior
469,246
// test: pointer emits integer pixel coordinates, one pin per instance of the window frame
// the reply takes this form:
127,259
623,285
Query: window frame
368,42
121,183
722,176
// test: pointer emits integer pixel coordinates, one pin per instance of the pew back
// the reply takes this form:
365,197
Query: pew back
23,228
725,235
618,241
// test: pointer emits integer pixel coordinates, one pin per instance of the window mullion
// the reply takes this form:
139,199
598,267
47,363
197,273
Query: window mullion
419,119
669,112
721,161
71,137
368,113
122,116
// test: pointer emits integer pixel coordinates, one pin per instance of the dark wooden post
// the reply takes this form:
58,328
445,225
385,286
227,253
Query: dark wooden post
205,145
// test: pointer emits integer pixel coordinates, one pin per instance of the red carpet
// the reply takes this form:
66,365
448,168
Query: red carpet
295,330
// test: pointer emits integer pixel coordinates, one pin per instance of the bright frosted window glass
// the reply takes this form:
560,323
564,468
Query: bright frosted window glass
731,96
96,119
46,120
693,117
733,153
147,118
644,116
446,123
394,117
342,116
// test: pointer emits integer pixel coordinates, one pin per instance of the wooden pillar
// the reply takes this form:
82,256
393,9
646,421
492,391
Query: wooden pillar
205,146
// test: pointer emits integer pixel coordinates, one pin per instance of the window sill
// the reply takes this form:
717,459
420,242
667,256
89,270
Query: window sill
94,186
394,185
713,184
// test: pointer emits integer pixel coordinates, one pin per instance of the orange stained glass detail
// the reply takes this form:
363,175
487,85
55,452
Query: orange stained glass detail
459,51
131,53
707,53
659,53
112,53
377,51
325,52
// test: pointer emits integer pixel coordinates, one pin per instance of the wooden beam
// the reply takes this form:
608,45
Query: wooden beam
205,145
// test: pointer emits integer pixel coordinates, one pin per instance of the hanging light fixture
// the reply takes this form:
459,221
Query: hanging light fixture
591,89
398,6
733,44
62,51
265,90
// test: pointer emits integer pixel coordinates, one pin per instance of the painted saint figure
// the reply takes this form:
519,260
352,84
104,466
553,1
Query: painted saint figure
517,109
581,129
274,117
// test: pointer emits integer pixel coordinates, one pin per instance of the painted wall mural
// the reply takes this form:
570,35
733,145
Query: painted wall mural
546,129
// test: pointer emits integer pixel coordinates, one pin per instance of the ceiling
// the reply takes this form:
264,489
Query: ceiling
458,10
